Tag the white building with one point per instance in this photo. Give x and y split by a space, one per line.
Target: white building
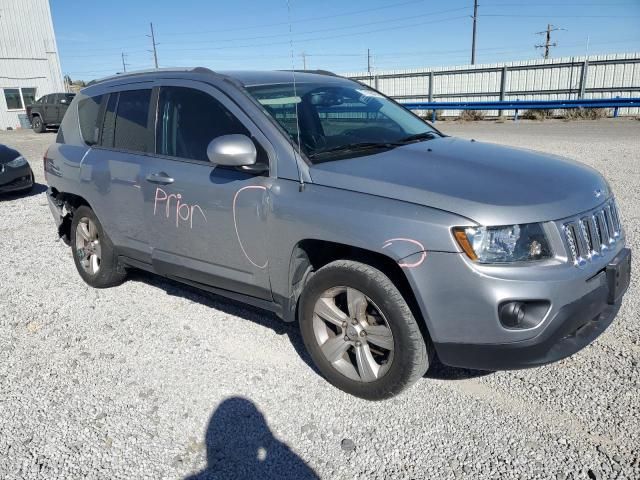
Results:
29 63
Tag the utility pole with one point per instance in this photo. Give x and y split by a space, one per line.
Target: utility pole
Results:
154 44
369 61
124 63
304 60
473 38
547 43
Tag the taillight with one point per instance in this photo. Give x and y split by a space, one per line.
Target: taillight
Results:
45 159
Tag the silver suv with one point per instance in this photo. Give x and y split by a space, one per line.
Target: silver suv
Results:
324 201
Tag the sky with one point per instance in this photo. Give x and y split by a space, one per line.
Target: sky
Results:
333 34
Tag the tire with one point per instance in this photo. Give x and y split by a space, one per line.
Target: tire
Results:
391 368
36 123
103 271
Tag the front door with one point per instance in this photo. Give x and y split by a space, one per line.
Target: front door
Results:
63 105
206 223
49 109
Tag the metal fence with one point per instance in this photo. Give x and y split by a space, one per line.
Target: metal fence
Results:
570 78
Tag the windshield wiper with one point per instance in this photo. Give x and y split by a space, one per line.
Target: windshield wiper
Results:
356 146
417 137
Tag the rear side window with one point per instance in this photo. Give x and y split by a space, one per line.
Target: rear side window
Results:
131 131
188 120
88 116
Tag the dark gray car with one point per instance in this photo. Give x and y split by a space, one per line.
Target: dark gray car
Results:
322 200
15 172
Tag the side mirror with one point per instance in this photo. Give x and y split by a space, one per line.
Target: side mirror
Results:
232 150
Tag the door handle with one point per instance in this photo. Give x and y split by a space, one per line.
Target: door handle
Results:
161 178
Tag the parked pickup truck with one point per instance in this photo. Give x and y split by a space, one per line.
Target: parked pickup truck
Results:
49 110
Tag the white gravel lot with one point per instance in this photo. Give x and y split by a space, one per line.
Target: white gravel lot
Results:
155 380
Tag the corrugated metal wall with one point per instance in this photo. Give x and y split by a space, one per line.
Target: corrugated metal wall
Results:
596 76
28 53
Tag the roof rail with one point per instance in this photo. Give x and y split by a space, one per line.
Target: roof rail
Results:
318 72
150 70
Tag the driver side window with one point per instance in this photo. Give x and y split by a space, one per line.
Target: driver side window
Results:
188 120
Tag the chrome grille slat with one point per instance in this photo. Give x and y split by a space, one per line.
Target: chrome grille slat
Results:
586 234
586 237
596 226
571 242
607 216
616 218
594 235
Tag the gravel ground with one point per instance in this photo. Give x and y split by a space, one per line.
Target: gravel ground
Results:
155 380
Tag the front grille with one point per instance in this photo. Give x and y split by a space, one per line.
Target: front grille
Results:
592 234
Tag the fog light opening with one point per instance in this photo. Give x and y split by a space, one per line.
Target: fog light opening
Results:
522 314
512 314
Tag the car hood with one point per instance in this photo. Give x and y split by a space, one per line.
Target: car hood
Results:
7 154
489 184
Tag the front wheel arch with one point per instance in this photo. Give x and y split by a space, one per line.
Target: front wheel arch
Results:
310 255
344 353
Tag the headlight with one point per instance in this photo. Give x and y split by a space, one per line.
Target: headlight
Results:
17 162
505 244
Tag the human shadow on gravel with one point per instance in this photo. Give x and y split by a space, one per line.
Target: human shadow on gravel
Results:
230 307
240 445
37 189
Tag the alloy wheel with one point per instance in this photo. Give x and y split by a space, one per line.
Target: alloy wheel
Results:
88 246
353 334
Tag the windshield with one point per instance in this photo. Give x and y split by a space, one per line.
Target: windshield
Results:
340 121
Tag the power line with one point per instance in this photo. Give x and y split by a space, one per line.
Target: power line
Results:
557 16
258 26
303 40
321 30
299 20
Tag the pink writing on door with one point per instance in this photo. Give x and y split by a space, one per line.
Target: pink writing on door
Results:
182 210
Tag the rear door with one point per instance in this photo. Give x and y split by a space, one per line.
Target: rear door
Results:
206 223
116 167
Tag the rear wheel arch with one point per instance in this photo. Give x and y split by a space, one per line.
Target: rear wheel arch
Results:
70 203
310 255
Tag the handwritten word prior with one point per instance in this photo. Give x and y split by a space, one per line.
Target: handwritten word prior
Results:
183 211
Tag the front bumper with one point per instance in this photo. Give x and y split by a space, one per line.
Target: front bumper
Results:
15 179
574 327
460 304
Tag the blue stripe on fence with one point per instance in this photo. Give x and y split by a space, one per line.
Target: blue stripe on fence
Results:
517 105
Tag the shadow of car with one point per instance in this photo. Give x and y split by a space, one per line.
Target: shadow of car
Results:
15 172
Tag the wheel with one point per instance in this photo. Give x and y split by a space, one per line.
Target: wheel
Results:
37 124
93 252
360 332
